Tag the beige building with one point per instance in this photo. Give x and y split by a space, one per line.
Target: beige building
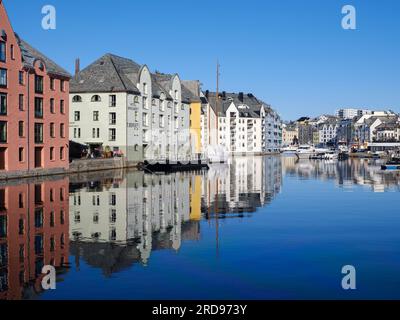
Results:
290 134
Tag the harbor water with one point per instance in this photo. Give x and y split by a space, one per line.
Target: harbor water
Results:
267 227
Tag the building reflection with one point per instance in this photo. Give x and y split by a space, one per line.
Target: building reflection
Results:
119 221
34 227
239 188
346 174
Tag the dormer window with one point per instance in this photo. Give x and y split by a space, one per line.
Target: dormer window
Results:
96 98
145 88
77 99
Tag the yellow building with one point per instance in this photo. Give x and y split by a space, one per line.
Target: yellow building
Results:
195 198
191 92
195 126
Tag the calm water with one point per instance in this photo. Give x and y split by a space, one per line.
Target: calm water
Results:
259 228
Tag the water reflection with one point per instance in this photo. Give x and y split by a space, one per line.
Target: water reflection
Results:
112 221
347 174
34 232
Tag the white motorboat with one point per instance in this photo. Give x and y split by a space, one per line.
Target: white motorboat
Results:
290 149
305 152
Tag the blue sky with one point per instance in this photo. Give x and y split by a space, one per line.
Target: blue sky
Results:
291 53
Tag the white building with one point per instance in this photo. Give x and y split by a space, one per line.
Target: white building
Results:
244 125
365 127
351 113
119 104
328 131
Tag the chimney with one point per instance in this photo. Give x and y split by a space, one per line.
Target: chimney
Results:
240 96
77 66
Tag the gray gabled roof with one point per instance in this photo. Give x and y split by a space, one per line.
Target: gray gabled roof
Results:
30 55
254 105
110 73
188 93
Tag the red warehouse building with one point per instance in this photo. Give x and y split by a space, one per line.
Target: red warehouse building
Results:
33 107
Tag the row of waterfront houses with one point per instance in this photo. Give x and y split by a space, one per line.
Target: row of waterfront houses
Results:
352 127
118 106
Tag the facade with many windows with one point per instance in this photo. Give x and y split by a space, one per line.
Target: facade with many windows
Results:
33 106
119 105
244 125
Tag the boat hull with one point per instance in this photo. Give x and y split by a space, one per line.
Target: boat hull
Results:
391 167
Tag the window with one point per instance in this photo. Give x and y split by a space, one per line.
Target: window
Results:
62 107
3 77
112 134
21 155
38 84
3 104
21 198
21 78
95 116
52 84
113 100
96 133
12 52
21 130
62 85
162 105
3 51
62 130
136 116
145 119
3 132
38 108
136 100
77 116
52 133
113 118
77 99
145 88
52 106
21 102
38 132
145 103
154 103
62 153
96 98
51 153
162 124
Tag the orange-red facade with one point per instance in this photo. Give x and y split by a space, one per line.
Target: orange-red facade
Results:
33 108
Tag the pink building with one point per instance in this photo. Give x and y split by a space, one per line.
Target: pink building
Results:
33 107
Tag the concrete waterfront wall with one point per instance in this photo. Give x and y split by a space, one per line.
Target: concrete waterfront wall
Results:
76 166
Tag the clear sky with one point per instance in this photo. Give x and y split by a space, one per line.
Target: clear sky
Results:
291 53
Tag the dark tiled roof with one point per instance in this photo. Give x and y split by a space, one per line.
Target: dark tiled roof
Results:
188 95
110 73
30 55
254 105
